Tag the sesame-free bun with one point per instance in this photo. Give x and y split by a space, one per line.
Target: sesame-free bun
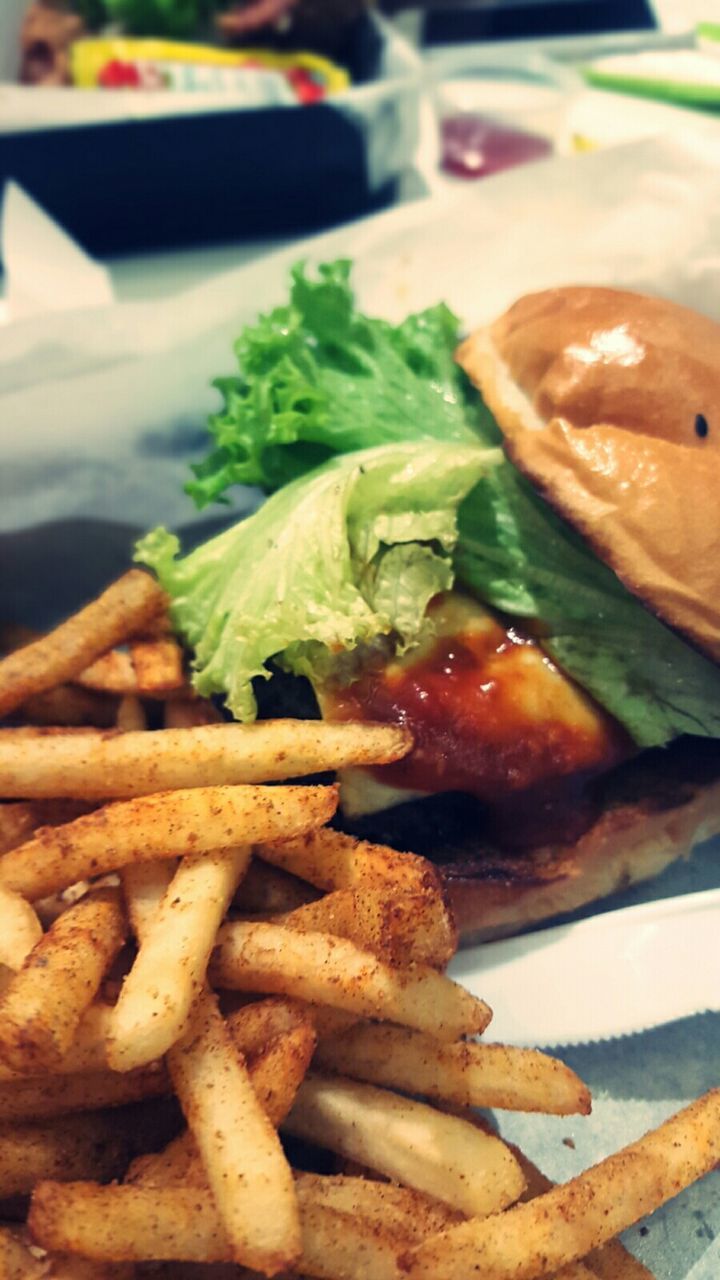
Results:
610 403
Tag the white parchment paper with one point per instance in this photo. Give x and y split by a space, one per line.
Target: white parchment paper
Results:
101 410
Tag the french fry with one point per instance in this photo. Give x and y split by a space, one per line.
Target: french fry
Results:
17 1262
45 1096
554 1229
144 886
135 764
169 824
137 1223
246 1169
332 860
20 929
131 716
612 1261
266 891
85 1054
43 1005
403 929
69 1267
18 821
468 1074
112 672
278 1068
118 613
276 960
85 1146
278 1039
189 713
158 664
414 1215
414 1144
70 706
170 967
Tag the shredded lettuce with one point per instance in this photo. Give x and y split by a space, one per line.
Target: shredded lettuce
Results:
333 559
350 552
318 378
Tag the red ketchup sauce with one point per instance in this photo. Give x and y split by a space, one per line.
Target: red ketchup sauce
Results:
475 146
490 714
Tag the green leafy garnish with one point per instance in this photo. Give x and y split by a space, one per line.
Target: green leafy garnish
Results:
350 552
318 378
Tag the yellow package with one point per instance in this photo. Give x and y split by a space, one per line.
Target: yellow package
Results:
258 77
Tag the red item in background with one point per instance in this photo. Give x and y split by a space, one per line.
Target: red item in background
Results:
475 146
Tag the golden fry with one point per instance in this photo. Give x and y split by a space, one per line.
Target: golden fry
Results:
468 1074
45 1096
240 1151
564 1224
410 1142
42 1008
332 860
118 613
276 960
158 664
135 764
402 929
20 929
170 967
136 1223
83 1146
169 824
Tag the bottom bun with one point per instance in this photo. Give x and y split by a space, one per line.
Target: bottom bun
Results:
649 812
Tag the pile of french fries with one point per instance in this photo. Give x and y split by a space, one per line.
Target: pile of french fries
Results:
226 1034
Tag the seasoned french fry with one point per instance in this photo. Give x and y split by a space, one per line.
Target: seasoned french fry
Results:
189 713
43 1005
401 929
276 960
18 821
136 764
468 1074
612 1261
552 1230
68 1266
158 664
246 1169
112 672
266 891
169 824
278 1068
84 1146
118 613
332 860
409 1212
170 967
17 1262
71 706
45 1096
137 1223
414 1144
85 1054
20 929
278 1039
145 885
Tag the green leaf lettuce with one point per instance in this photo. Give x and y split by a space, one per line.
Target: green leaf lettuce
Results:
350 552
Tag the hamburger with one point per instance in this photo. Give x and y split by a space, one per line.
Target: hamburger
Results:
522 567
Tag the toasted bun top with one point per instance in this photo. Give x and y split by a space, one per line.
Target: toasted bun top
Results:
610 403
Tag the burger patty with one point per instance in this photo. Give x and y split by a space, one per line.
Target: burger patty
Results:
646 813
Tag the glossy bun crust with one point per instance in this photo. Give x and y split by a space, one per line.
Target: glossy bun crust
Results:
610 403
